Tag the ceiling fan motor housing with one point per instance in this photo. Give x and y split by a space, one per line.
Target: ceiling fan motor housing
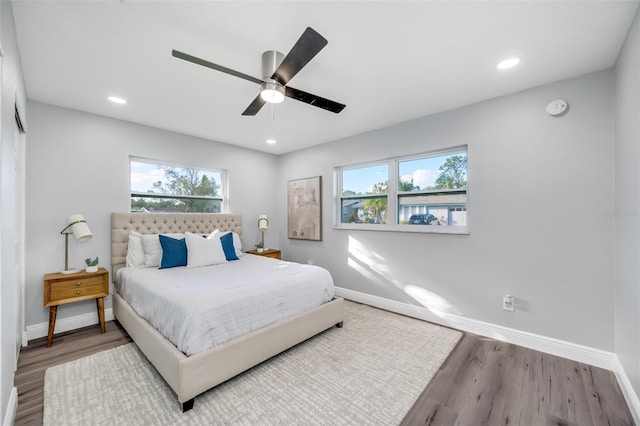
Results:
271 60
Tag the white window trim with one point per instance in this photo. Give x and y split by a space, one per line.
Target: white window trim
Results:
392 198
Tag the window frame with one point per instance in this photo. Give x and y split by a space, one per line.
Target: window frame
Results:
223 184
393 195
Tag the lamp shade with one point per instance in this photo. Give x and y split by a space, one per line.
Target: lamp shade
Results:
263 222
79 227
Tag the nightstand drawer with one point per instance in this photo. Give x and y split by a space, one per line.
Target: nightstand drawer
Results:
76 288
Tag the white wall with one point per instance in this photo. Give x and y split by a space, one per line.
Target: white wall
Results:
627 207
520 161
12 88
79 163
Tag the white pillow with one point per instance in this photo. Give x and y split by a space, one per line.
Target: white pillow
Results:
237 243
135 253
153 250
214 234
203 251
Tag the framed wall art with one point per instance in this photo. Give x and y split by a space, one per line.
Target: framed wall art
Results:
304 209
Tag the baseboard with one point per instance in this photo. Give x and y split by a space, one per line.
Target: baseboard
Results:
573 351
627 390
12 407
66 324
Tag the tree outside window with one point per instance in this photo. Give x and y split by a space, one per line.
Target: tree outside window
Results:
364 194
167 188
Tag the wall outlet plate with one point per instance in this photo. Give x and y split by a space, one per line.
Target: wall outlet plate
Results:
508 303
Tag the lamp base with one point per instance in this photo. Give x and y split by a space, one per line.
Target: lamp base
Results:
70 271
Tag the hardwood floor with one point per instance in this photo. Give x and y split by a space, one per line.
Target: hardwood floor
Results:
486 382
483 382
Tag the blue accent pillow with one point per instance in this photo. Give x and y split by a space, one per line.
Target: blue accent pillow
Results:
174 252
227 246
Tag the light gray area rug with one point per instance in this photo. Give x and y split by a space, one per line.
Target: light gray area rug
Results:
371 371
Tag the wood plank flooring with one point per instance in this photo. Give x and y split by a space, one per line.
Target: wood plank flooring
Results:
486 382
483 382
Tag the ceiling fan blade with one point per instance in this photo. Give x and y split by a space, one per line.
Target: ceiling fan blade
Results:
307 46
187 57
314 100
255 106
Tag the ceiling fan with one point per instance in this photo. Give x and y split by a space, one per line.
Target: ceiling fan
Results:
277 70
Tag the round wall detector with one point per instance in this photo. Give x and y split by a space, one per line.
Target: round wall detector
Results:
557 107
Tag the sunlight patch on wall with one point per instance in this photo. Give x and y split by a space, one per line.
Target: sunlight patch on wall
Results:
374 268
362 253
365 272
428 299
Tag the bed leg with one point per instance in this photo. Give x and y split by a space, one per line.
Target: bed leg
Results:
187 405
339 325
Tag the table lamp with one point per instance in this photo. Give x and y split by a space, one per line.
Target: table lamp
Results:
79 228
263 225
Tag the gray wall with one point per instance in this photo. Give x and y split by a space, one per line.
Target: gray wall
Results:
79 163
539 189
12 92
627 207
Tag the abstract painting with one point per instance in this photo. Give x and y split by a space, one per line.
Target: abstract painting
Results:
305 209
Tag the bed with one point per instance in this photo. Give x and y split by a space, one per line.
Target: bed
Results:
189 376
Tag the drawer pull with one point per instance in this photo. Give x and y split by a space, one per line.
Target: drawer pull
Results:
78 284
77 291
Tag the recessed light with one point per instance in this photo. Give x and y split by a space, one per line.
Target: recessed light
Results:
508 63
271 141
117 100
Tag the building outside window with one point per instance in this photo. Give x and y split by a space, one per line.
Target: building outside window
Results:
161 187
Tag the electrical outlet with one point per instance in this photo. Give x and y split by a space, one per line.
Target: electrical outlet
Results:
508 303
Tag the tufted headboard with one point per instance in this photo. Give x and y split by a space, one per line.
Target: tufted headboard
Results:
149 223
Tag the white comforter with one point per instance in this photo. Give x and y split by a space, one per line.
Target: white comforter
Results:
199 308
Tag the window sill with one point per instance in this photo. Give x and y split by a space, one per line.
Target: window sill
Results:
415 229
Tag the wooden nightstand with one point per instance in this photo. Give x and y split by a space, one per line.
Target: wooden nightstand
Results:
68 288
273 253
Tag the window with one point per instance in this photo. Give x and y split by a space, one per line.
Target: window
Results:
168 188
428 189
431 186
364 194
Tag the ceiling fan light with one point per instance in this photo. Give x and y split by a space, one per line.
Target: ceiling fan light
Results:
272 92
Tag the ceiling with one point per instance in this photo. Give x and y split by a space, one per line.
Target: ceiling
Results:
388 61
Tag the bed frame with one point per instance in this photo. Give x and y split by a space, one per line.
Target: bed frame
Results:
190 376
